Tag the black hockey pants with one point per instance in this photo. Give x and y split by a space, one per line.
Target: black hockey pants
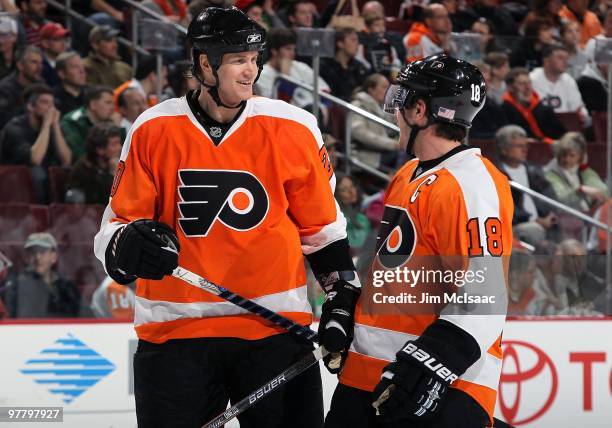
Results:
183 383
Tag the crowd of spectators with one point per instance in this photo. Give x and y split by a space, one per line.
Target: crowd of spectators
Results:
69 97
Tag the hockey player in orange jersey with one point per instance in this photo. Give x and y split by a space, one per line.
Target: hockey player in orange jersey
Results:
242 187
424 364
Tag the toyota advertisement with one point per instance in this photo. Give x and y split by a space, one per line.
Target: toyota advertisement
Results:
557 373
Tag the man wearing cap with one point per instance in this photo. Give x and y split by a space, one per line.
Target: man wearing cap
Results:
53 41
39 291
103 65
8 45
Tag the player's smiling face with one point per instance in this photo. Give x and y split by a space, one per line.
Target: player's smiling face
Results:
236 77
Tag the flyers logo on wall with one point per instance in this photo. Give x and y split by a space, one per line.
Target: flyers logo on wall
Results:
237 199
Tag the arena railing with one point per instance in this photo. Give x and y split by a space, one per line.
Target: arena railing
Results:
137 12
66 8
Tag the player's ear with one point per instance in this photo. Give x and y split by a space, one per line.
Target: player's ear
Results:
204 63
420 109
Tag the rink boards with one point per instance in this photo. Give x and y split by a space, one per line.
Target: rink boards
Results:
557 372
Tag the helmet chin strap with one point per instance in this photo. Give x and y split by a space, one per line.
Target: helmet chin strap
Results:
213 90
414 131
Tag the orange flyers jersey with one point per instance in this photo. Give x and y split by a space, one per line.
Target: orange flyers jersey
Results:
113 300
455 217
245 211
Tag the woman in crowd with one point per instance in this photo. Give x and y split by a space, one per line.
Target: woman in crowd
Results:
358 225
575 183
373 143
539 32
570 37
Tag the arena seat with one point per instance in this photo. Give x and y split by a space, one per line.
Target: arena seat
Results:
18 220
397 25
74 226
487 148
14 252
571 121
337 122
540 153
78 263
600 126
57 183
75 223
597 158
16 184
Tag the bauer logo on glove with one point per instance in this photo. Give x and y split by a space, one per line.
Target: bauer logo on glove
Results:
431 363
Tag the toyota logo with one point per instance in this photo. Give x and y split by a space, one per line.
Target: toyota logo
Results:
254 38
524 365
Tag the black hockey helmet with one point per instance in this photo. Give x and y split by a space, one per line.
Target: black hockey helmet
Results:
454 90
217 31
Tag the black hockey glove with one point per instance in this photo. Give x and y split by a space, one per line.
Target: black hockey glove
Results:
414 386
142 249
335 271
337 318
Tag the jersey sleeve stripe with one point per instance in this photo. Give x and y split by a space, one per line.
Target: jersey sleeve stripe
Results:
329 233
104 236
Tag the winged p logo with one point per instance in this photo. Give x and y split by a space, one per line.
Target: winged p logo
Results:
236 198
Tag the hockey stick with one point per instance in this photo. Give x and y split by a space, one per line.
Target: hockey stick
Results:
275 318
268 388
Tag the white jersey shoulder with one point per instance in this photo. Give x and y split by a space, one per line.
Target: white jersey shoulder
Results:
261 106
171 107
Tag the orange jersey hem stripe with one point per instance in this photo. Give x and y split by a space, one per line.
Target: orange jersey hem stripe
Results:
249 327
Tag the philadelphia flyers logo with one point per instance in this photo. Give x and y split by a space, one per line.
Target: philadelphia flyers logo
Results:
236 198
396 239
